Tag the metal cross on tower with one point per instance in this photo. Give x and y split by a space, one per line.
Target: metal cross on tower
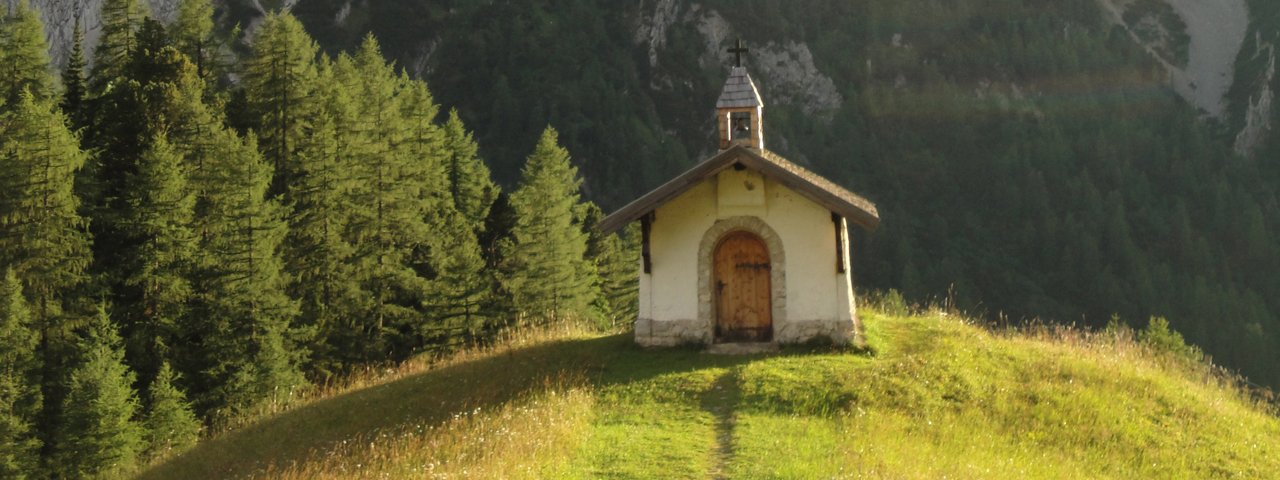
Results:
738 51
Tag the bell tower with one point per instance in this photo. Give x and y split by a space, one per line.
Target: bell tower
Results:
739 111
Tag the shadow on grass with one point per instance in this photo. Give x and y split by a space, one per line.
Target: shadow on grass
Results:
429 399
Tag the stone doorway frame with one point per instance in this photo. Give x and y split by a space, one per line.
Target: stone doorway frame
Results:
777 270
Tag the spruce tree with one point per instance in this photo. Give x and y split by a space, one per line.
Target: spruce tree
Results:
160 265
24 56
279 88
20 396
73 82
614 258
547 274
247 353
170 426
469 182
97 436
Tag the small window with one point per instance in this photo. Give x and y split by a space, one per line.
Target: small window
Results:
740 123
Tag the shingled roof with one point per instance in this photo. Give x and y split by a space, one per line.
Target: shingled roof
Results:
739 91
820 190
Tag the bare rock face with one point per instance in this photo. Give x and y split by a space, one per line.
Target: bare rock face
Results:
793 78
1257 117
785 67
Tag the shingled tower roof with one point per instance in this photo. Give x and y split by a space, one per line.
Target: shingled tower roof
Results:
739 91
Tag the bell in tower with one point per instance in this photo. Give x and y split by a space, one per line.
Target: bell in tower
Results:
739 111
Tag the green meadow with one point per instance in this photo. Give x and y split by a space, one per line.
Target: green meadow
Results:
932 396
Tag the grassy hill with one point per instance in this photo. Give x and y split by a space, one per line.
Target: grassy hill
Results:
934 397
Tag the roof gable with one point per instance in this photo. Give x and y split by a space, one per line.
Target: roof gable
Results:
808 184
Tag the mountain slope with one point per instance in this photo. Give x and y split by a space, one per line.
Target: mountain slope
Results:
938 397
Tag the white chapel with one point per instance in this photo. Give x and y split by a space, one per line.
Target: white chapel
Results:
746 246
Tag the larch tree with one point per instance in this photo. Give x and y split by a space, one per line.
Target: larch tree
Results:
449 255
170 426
160 265
192 34
247 355
97 436
43 239
279 88
20 396
24 56
387 221
317 254
547 273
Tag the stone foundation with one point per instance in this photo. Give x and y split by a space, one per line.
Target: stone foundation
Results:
669 333
840 332
650 333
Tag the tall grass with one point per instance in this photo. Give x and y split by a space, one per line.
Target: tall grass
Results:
528 438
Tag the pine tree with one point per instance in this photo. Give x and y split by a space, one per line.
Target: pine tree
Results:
97 436
121 20
73 82
160 266
469 182
170 425
548 276
247 355
20 396
24 56
279 86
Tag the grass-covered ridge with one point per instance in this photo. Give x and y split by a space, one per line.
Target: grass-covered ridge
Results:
937 397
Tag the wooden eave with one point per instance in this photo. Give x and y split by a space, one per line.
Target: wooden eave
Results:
842 202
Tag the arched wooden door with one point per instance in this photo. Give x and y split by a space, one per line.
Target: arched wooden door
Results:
744 312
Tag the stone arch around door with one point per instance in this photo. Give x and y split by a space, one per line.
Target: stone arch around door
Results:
777 269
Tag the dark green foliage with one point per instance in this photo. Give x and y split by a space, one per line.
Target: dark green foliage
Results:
317 254
24 56
473 192
20 396
97 436
161 264
546 273
242 319
74 88
1159 336
616 260
121 19
170 425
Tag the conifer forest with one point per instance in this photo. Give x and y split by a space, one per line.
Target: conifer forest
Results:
178 252
204 217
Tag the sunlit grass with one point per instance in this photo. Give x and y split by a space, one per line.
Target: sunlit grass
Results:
934 397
